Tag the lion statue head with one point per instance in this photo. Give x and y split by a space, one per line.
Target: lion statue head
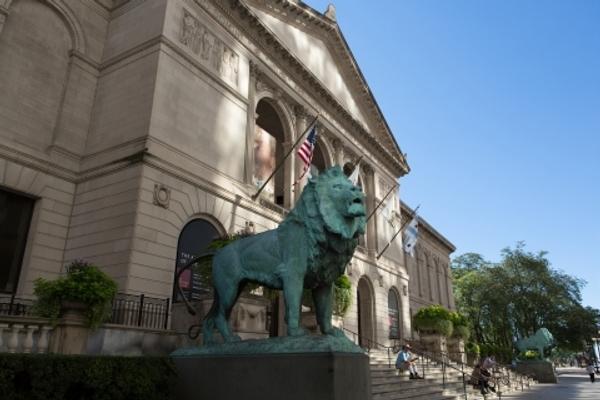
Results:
332 201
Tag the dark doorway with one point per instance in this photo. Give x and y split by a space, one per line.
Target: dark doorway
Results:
15 218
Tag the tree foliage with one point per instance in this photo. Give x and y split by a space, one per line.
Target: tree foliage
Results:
512 299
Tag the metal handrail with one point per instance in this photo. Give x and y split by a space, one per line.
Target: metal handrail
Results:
426 356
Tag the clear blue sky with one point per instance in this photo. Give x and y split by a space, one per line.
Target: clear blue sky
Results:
497 104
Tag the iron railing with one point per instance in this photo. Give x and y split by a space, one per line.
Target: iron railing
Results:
11 305
126 309
501 374
140 310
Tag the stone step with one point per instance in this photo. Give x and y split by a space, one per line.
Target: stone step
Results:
424 393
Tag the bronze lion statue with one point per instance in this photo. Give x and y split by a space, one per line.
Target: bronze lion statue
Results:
309 249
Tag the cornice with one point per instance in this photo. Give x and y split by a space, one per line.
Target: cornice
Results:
245 23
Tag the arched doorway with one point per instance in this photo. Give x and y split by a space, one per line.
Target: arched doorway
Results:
364 295
194 239
394 315
269 137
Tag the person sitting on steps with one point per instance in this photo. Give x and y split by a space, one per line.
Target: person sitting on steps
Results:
406 361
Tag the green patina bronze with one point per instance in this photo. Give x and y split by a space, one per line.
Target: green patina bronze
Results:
541 340
279 345
309 249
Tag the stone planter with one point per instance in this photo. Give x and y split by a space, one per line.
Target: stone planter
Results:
248 317
434 343
456 349
472 358
72 331
73 310
309 321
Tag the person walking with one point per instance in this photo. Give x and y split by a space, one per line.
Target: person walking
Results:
590 369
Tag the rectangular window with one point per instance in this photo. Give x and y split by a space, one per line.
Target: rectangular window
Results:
15 218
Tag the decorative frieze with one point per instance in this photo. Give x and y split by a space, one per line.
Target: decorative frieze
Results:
212 52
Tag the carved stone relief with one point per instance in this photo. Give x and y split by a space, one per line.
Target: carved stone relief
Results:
162 195
211 50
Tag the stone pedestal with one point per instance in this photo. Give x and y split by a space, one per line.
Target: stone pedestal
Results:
540 370
248 317
314 376
456 349
70 335
434 343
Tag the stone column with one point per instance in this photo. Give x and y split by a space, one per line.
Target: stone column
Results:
405 312
369 189
298 166
438 278
250 125
288 175
419 264
339 152
449 287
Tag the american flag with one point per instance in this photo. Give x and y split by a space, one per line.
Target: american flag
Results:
305 152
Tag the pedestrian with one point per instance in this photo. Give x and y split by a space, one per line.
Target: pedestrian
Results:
406 361
592 372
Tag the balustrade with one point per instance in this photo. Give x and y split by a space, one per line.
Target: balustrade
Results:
24 335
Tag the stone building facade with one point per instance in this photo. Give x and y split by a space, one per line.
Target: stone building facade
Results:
135 131
429 267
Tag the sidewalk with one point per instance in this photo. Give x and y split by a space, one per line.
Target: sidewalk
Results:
573 384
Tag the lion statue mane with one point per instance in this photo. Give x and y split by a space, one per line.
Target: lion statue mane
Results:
309 249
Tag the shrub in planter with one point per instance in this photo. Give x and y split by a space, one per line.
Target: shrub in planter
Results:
472 348
461 326
85 285
433 319
342 291
58 377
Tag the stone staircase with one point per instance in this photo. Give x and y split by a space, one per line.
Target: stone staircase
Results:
388 384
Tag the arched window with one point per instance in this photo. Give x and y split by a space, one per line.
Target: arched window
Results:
268 151
393 314
194 239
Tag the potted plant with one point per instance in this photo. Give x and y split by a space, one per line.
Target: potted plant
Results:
460 334
472 349
434 325
84 290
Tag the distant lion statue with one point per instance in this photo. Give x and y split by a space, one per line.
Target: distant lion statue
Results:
539 341
309 249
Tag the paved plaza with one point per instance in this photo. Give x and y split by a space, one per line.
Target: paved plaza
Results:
573 384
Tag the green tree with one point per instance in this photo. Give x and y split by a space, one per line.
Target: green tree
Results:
522 293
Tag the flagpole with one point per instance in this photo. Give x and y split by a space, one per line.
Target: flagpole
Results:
278 167
381 202
399 230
